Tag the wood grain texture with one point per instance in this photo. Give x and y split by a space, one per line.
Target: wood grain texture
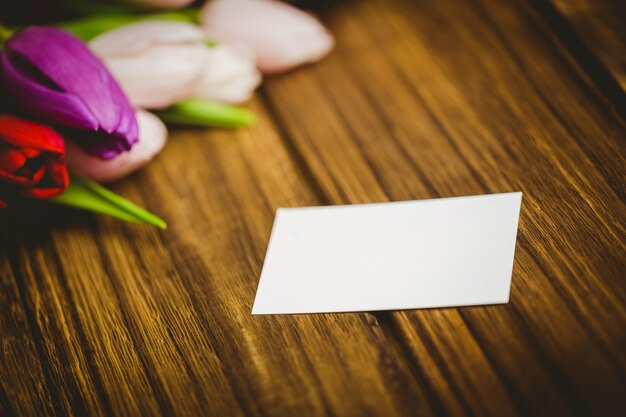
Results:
132 321
600 25
473 98
419 100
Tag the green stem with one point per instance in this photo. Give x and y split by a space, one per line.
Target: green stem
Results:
88 195
206 113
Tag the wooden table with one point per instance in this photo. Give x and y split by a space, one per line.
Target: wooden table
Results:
420 99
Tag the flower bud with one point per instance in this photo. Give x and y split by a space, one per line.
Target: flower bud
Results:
32 160
152 138
281 35
52 76
157 62
229 76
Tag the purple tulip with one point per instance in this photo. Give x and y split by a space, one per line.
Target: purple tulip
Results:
52 76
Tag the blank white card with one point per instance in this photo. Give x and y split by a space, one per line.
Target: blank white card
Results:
390 256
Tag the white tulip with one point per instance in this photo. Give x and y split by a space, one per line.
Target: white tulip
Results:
157 62
281 35
230 75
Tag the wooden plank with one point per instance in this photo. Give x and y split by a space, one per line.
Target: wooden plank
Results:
130 320
430 99
22 388
600 25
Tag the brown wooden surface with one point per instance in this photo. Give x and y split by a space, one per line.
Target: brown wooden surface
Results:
600 24
419 100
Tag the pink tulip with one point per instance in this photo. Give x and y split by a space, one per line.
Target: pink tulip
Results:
160 4
157 62
281 35
152 137
230 75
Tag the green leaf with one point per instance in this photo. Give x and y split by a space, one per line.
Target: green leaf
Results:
206 113
91 26
86 194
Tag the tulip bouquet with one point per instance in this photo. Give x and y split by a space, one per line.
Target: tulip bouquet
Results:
94 95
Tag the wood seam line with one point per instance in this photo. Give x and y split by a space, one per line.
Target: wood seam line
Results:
584 57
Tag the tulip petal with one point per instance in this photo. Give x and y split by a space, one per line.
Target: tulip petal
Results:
281 35
25 134
32 158
47 104
152 138
69 66
138 36
157 63
101 145
230 76
161 75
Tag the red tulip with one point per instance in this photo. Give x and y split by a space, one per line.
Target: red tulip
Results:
32 160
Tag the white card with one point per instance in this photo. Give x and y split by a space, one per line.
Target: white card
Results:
389 256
